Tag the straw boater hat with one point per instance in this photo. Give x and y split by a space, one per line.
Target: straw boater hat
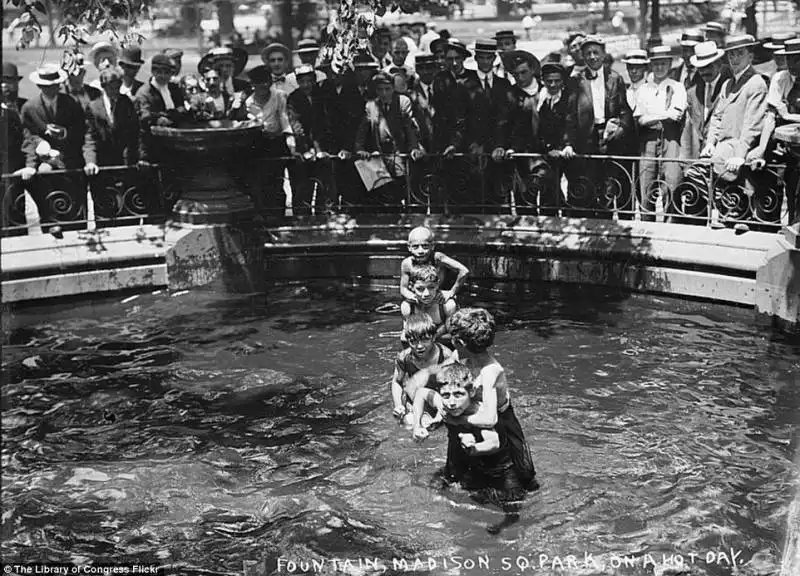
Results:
505 34
365 61
131 56
778 40
716 28
275 47
485 46
790 48
636 58
307 45
10 70
743 41
48 75
303 70
706 53
692 38
459 47
660 53
101 50
382 78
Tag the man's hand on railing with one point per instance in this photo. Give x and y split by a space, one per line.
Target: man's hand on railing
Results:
322 155
734 164
344 155
363 155
509 154
417 154
143 165
498 154
25 173
91 169
707 151
755 158
568 152
448 152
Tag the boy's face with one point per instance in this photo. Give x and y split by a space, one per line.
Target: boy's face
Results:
425 291
455 398
420 346
421 247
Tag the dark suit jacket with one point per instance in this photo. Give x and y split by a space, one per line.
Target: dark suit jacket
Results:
580 114
70 115
489 113
402 137
524 122
150 108
135 85
89 94
242 85
307 118
12 157
343 111
115 143
553 123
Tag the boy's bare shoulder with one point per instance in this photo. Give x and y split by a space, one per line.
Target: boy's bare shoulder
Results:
406 264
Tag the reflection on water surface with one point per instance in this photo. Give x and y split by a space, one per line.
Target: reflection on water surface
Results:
206 431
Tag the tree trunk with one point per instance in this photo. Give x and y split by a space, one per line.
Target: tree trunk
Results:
655 25
642 24
225 16
287 23
503 8
606 10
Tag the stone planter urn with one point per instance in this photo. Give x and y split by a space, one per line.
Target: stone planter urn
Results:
214 168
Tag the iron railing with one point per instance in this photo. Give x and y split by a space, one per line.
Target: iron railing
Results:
599 186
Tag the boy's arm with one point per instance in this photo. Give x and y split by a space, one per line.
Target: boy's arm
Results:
405 291
397 389
489 444
431 397
448 309
458 267
486 415
420 378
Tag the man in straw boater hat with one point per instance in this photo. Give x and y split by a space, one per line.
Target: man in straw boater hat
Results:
599 121
717 32
229 63
685 72
659 113
775 45
157 103
735 125
637 64
506 42
130 61
277 57
702 97
308 53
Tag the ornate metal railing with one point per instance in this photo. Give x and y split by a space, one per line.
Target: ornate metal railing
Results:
691 191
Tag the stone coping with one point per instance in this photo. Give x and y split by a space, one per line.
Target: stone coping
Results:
181 256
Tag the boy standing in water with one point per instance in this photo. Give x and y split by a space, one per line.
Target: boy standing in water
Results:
472 333
423 351
424 284
421 246
477 458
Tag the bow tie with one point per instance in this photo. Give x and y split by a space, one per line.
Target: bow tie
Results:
281 78
590 74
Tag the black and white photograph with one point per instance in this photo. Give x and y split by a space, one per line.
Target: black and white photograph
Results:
427 287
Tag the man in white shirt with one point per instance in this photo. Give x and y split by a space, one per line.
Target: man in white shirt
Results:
636 63
659 112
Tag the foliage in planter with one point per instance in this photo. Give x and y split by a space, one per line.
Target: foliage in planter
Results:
687 15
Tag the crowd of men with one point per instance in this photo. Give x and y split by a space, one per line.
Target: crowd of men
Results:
434 109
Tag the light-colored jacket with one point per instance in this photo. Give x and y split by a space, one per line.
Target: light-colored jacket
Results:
740 113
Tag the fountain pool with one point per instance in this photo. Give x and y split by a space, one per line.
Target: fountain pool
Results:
219 434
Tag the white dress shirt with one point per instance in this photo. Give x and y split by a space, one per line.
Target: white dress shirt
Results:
598 85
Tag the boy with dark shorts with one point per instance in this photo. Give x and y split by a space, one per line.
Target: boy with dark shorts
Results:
477 458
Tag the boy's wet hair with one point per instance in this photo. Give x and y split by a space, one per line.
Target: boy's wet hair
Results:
455 374
420 327
419 229
424 273
475 326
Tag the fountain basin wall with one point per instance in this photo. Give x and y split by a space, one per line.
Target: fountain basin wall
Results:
681 260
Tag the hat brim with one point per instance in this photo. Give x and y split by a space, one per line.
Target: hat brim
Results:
635 61
703 62
509 58
592 42
669 57
785 52
127 62
39 81
747 45
689 43
773 47
465 52
103 48
553 68
275 48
